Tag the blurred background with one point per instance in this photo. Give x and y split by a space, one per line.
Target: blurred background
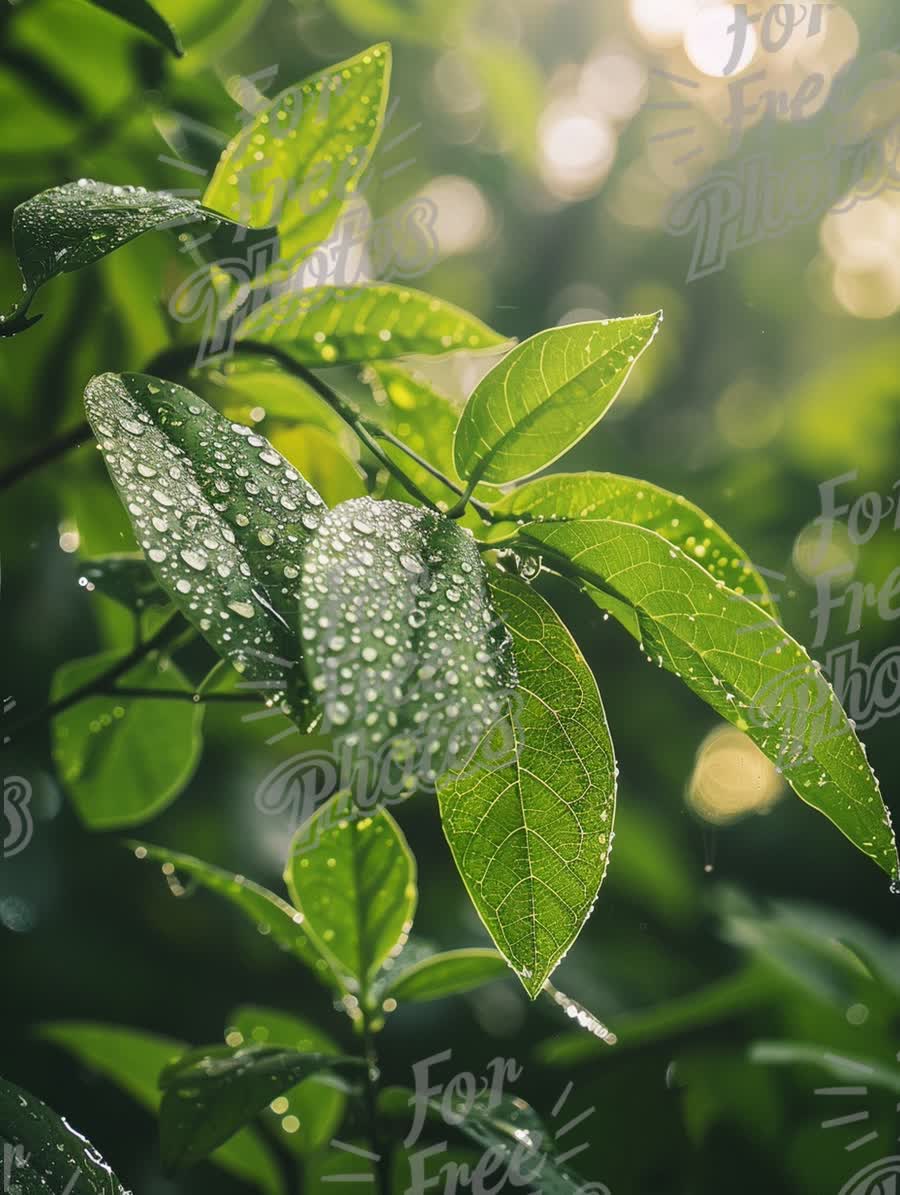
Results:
584 160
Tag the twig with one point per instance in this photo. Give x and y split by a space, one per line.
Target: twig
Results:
45 455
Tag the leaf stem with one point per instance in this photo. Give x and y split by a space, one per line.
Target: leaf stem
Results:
382 1163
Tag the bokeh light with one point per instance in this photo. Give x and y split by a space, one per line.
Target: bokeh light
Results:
732 778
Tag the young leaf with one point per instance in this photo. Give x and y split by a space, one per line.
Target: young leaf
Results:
329 325
221 516
448 974
275 917
51 1152
739 660
212 1092
545 395
302 156
354 880
531 837
71 226
134 1060
564 496
144 16
123 759
314 1103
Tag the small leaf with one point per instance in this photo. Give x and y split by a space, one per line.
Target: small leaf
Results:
329 325
221 516
739 660
275 917
531 836
134 1060
353 878
448 974
71 226
564 496
123 759
317 1106
294 165
545 395
126 578
402 647
213 1091
144 16
50 1152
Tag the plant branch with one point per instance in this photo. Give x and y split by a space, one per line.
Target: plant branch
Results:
45 455
383 1163
99 686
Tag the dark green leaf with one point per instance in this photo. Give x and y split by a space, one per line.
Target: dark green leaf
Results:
272 915
739 660
125 578
564 496
213 1091
448 974
844 1067
302 156
317 1106
353 877
531 833
327 325
545 395
134 1061
402 647
123 759
221 516
145 17
51 1156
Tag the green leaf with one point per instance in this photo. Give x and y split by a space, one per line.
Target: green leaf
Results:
143 16
209 28
272 915
221 516
71 226
448 974
302 156
739 660
314 453
424 22
402 647
318 1107
845 1067
134 1060
531 835
564 496
329 325
353 878
545 395
213 1091
51 1152
126 578
513 87
123 759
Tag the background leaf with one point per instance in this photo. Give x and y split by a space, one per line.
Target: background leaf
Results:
531 837
328 325
126 578
123 759
144 16
545 395
133 1060
447 974
353 877
740 661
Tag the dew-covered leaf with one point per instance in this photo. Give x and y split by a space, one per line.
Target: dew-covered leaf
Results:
67 227
213 1091
134 1060
448 974
314 1103
126 578
143 16
221 516
531 835
564 496
353 877
45 1154
739 660
402 647
124 759
302 155
328 325
274 917
545 395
